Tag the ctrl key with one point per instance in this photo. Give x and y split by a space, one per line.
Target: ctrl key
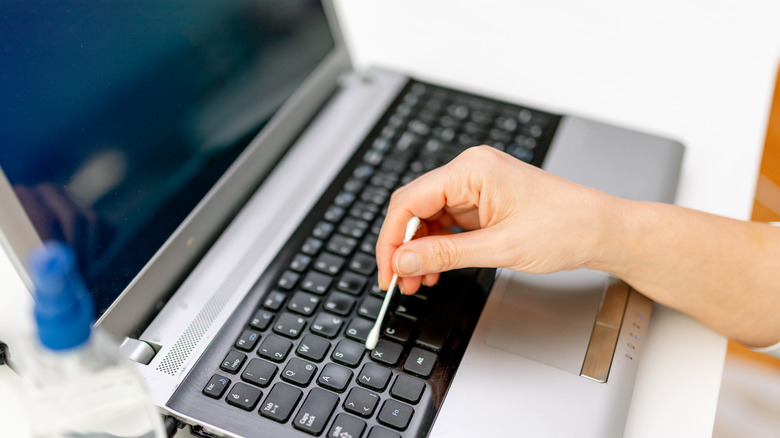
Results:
216 386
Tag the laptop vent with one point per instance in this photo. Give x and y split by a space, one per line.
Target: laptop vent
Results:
203 321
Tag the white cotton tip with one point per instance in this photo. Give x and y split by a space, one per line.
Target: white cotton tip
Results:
411 228
373 338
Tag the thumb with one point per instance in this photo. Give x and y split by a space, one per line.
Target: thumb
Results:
440 253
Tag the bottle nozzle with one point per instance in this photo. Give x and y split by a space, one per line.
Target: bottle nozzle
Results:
63 307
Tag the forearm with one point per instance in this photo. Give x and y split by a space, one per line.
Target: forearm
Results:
723 272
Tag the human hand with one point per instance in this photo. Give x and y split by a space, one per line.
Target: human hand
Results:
517 216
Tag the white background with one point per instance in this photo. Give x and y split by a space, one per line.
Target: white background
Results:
699 71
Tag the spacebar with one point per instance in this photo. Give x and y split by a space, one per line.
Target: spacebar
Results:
439 322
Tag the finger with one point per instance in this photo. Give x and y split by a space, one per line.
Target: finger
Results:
430 280
410 285
440 253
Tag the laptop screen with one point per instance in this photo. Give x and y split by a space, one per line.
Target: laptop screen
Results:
118 117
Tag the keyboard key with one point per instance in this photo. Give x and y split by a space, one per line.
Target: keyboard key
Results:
341 245
247 340
261 319
311 246
358 329
361 402
374 376
368 244
398 329
288 280
373 289
316 282
411 307
218 384
373 157
327 325
323 230
353 185
381 432
289 325
348 353
334 214
387 180
303 303
280 402
387 352
351 283
364 210
376 227
244 396
420 362
334 377
370 307
375 195
300 263
395 414
328 263
346 426
299 371
362 264
274 348
353 227
340 303
316 411
344 199
313 347
274 300
259 372
233 361
363 172
407 388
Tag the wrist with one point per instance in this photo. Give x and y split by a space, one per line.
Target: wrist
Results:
616 232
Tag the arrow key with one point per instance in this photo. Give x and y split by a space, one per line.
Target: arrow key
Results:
361 402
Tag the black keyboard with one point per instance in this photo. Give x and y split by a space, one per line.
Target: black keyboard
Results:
292 362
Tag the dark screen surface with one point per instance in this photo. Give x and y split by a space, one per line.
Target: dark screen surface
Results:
116 118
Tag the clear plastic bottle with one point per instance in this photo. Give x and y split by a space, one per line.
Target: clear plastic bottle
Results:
78 383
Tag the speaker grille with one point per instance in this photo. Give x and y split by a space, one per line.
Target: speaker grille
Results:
187 342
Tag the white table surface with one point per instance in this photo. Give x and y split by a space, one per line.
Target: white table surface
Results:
700 71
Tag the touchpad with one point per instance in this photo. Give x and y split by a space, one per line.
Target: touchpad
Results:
547 318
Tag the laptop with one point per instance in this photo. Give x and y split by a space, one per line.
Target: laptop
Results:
222 171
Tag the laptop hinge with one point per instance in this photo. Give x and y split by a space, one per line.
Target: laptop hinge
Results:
137 351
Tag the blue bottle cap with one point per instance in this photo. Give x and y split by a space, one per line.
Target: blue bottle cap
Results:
63 308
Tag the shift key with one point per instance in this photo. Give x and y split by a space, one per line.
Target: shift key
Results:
316 411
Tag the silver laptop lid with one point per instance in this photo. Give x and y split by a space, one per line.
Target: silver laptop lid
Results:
135 132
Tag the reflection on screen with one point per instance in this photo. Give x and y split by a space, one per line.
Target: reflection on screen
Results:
117 117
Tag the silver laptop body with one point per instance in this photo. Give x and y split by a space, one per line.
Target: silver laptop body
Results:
551 355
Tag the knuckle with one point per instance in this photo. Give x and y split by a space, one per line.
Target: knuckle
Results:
445 253
477 155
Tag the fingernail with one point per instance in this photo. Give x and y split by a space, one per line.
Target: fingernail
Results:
408 263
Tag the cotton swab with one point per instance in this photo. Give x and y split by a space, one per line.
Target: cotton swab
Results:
373 335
